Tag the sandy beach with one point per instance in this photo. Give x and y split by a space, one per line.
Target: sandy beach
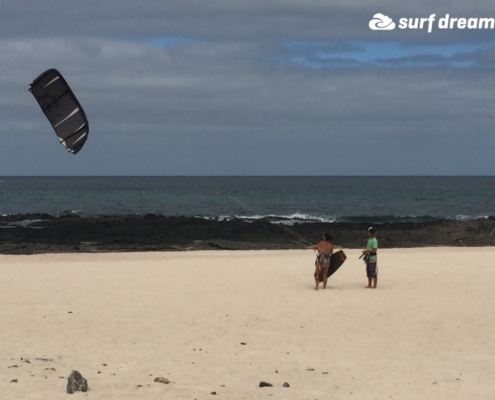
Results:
223 321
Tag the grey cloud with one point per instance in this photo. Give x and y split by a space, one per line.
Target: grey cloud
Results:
221 19
224 104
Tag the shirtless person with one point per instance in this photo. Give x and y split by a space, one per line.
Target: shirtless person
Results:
325 250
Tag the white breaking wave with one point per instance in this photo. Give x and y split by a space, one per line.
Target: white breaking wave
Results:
23 223
276 219
467 217
69 212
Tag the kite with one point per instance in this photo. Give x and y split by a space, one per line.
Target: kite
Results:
63 110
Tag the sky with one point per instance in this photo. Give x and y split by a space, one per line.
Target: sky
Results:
259 87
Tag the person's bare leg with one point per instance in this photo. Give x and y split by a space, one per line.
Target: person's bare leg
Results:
317 277
375 281
369 283
325 273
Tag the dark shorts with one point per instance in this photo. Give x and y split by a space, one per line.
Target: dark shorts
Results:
371 270
323 260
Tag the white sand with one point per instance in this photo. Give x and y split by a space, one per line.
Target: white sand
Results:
427 332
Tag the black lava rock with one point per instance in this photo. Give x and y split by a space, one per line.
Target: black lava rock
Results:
75 382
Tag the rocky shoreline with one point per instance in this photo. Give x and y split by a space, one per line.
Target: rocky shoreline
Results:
49 234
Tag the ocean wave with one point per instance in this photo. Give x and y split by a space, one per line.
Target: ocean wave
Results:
468 217
309 218
363 219
26 220
24 223
384 219
70 212
275 219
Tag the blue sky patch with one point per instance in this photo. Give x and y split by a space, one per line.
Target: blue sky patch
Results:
355 54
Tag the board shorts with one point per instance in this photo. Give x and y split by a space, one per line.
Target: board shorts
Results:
323 260
371 269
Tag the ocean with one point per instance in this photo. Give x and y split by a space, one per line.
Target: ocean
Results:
285 199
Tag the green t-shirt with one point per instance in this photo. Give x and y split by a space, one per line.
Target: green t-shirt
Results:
372 244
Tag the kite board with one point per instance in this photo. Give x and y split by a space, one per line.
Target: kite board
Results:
336 260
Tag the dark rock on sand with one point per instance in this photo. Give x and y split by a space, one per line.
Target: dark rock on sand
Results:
162 380
160 233
265 384
286 384
76 382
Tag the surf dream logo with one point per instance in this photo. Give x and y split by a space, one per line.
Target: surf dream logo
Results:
381 22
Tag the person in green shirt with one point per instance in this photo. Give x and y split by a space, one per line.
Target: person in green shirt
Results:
370 258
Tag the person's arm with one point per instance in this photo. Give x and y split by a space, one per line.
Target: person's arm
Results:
375 247
315 247
372 251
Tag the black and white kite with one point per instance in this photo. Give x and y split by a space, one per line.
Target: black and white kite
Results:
61 107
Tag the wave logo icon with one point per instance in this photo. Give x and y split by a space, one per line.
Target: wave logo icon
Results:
381 22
